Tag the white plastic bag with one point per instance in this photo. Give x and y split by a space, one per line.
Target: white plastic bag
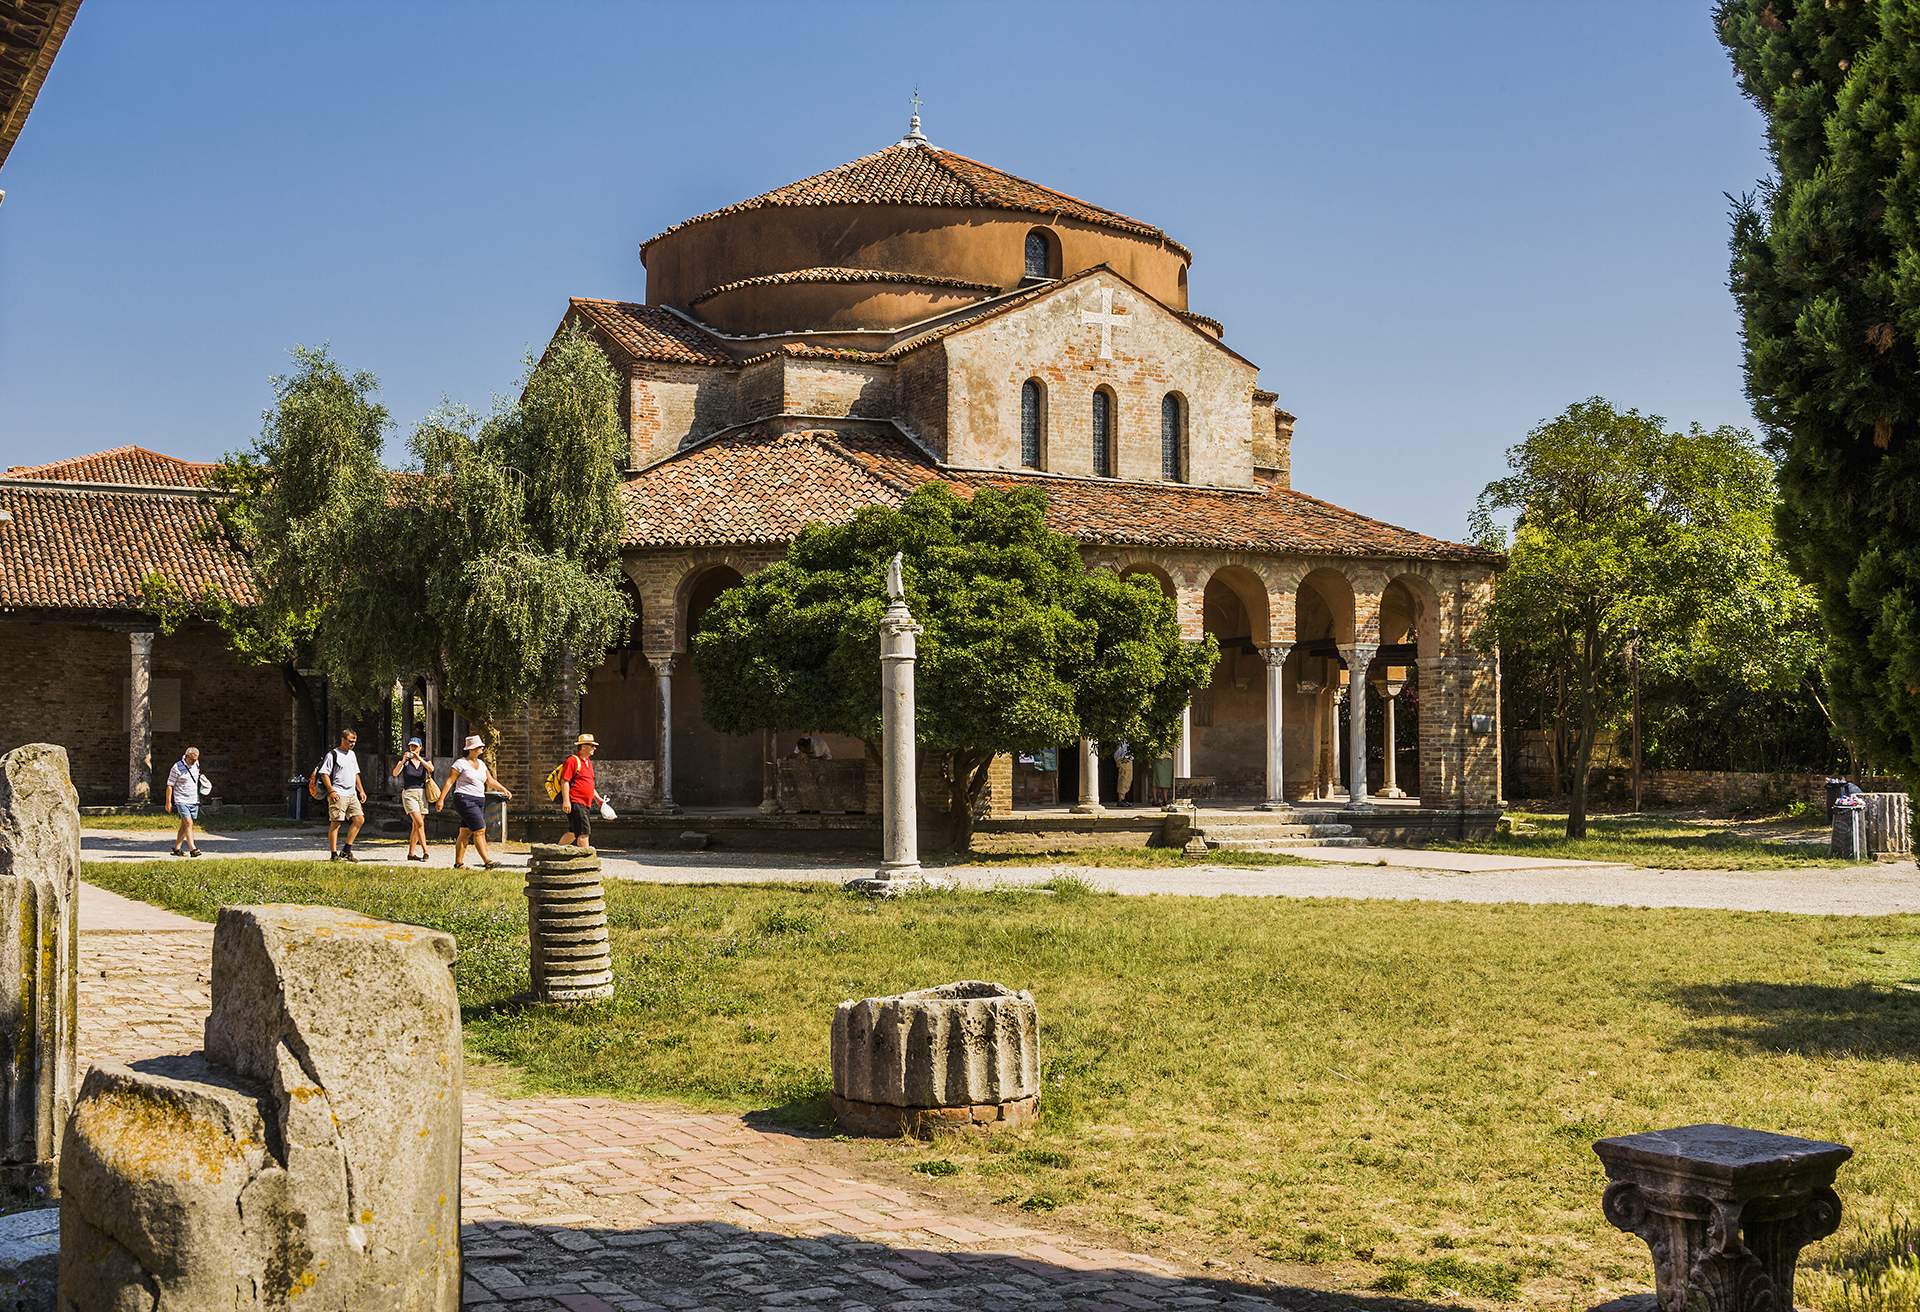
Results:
606 810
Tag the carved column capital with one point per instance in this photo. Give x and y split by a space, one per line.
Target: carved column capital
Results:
1276 653
664 664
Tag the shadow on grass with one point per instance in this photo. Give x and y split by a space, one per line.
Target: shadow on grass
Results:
715 1264
1866 1020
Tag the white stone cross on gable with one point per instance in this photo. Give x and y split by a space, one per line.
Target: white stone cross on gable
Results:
1107 319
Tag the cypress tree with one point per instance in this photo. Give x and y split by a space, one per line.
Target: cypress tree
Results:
1826 274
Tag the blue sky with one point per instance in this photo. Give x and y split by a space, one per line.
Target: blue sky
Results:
1433 225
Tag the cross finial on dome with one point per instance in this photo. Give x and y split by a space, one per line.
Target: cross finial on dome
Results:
914 134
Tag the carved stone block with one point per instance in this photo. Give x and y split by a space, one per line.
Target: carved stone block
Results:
39 891
964 1054
1724 1210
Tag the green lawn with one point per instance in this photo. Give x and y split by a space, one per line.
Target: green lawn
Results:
1654 841
1398 1094
213 822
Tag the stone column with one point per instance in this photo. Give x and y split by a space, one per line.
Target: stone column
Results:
39 892
1089 803
663 753
140 721
899 870
769 774
1333 733
1390 772
1276 655
1183 750
1357 665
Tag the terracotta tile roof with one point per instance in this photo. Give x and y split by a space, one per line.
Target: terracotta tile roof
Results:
122 465
827 273
763 488
89 549
649 332
911 173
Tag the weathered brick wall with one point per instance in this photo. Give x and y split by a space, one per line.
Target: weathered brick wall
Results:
920 385
66 684
837 387
1153 353
670 405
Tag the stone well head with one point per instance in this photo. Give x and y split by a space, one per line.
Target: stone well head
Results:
965 1053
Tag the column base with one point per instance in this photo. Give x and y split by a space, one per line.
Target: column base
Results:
898 881
1362 805
1395 793
1088 808
664 808
1271 805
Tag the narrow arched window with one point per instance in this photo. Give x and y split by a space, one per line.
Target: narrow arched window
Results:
1102 434
1173 438
1040 263
1032 412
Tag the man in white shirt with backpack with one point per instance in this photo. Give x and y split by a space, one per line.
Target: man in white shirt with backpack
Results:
346 796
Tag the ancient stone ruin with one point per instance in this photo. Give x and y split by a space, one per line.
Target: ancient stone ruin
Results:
310 1157
961 1055
39 885
567 925
1724 1210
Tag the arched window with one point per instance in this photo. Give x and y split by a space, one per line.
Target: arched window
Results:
1173 438
1040 260
1033 418
1103 434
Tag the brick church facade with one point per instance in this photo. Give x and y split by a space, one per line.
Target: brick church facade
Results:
910 316
916 315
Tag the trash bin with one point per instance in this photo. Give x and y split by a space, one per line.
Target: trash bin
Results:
1836 788
296 798
1850 833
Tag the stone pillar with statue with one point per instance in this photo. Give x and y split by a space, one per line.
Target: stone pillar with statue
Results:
899 870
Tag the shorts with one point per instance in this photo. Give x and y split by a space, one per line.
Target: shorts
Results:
579 820
187 810
344 806
472 811
413 801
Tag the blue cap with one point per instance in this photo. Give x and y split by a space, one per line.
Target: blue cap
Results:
413 742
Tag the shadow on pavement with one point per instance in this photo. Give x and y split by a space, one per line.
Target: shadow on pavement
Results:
708 1265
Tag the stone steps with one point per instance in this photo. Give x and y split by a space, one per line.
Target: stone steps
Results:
1276 833
1282 844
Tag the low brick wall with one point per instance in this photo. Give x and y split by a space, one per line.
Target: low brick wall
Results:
1723 790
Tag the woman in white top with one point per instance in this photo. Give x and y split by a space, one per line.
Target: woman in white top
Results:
468 783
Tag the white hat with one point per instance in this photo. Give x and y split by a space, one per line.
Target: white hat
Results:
473 740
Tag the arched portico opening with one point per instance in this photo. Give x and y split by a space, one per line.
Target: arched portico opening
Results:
1409 643
616 697
710 768
1314 684
1229 715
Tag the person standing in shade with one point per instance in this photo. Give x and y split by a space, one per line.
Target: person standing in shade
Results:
414 771
577 795
346 797
186 789
468 783
1123 772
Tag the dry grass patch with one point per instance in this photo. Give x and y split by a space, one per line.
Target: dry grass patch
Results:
1400 1094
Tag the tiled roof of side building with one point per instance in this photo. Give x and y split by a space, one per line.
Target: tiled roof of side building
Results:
764 488
91 549
121 465
912 173
826 274
649 332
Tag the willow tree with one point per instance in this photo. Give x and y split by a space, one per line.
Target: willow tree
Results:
1022 646
1826 274
494 561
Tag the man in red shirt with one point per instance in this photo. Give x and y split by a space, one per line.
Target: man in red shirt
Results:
577 796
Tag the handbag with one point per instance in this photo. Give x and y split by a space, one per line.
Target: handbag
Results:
433 789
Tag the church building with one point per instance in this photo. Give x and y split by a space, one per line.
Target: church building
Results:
916 315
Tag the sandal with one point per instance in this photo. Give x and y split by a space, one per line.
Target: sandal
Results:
193 851
176 851
491 865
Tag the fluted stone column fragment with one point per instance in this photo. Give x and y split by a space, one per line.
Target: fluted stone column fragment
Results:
567 925
309 1158
962 1054
39 888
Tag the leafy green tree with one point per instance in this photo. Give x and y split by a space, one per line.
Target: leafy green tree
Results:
1632 543
296 500
1022 644
1826 273
494 563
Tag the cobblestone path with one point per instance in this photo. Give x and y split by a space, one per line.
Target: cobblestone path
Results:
590 1204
